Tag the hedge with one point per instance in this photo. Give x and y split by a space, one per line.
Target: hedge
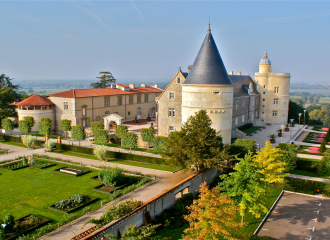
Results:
246 126
308 165
8 138
110 154
305 186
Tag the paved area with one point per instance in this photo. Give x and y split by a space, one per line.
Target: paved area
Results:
165 180
310 178
298 217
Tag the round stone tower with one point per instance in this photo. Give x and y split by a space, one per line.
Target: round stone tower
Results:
209 87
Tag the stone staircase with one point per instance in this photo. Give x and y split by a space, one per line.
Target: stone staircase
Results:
236 133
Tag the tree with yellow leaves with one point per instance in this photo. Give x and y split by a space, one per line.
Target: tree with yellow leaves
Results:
270 164
211 216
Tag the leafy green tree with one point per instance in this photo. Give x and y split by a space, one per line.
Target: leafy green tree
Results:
244 187
100 152
106 79
101 136
24 126
134 233
196 145
97 126
294 109
130 140
247 144
30 120
324 166
78 133
120 132
312 107
159 143
45 126
148 135
304 98
7 124
317 115
8 95
65 126
322 147
289 155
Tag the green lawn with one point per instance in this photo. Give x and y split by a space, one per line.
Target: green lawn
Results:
13 144
251 130
133 149
309 174
119 161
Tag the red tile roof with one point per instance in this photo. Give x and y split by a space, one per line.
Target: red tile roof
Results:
95 92
35 100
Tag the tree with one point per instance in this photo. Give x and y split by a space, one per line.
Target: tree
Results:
9 221
45 126
7 124
159 143
322 147
212 216
243 186
78 133
312 107
294 110
30 120
289 155
100 152
304 98
97 126
24 126
317 115
148 135
298 101
324 166
120 132
65 126
270 164
106 79
8 95
130 140
101 136
196 145
247 144
310 98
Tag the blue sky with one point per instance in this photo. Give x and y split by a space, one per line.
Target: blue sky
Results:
151 39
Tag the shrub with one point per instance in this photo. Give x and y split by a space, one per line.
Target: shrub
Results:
248 144
148 135
30 121
97 126
309 165
78 133
7 124
245 126
71 202
9 221
65 126
236 150
322 147
120 131
29 141
129 140
25 162
112 176
159 143
45 126
101 136
324 166
49 145
100 152
24 126
289 152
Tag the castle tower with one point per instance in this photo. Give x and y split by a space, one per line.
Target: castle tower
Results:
209 87
274 90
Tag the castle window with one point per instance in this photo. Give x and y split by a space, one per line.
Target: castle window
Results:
263 99
106 101
274 113
243 118
275 100
236 121
171 95
257 113
130 100
264 86
84 111
170 129
243 104
171 112
119 101
139 98
65 105
217 93
178 80
263 106
98 118
264 93
276 89
236 105
128 113
263 112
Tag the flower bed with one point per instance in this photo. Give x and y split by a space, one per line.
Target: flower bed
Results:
72 204
70 171
313 150
14 166
109 189
26 224
41 164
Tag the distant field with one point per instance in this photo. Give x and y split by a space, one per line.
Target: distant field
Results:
310 90
324 99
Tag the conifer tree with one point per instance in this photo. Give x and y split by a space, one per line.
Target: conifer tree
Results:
322 147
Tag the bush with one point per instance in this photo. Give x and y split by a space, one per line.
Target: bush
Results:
9 221
304 186
112 176
289 152
7 124
308 165
324 165
30 121
71 202
45 126
25 162
97 126
24 126
29 141
245 126
322 147
100 152
148 135
248 144
101 136
130 140
159 143
236 150
49 145
78 133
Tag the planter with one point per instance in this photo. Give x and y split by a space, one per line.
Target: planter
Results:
272 140
260 129
286 129
279 134
135 121
292 125
148 119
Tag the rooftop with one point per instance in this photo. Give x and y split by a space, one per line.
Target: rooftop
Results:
35 100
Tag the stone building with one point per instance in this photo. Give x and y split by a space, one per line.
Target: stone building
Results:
230 100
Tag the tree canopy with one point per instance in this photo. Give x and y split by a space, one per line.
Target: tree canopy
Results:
120 132
101 136
294 110
130 140
148 135
78 133
196 145
8 95
65 126
7 124
45 126
30 120
97 126
106 79
24 126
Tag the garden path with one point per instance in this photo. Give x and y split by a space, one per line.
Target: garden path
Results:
165 180
310 178
302 155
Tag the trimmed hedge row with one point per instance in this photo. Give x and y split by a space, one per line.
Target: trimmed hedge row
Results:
8 138
116 155
308 165
246 126
305 186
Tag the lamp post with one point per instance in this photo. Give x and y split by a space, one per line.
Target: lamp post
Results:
299 121
304 115
282 127
291 120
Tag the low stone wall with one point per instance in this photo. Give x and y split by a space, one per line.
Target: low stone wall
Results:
153 207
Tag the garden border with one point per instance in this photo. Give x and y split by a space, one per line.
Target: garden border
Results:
52 207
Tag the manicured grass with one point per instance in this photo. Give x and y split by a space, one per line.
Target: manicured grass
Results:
251 130
13 144
309 174
174 234
119 161
133 149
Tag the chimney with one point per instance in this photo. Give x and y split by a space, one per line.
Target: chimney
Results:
143 85
189 68
179 68
230 73
239 73
155 85
132 86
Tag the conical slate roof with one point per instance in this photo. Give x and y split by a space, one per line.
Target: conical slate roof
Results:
208 67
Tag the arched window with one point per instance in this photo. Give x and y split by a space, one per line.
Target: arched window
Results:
138 112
